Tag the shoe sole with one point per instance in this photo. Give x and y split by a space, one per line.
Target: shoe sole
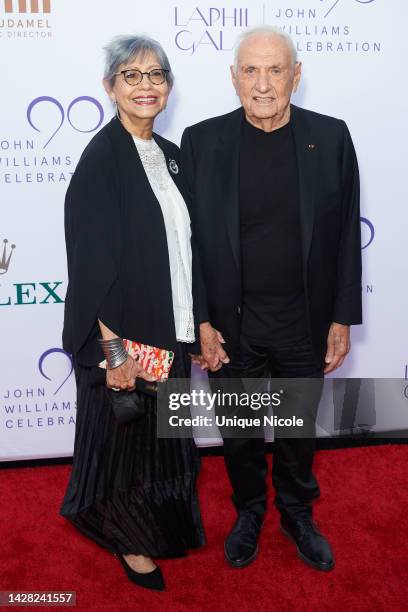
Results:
241 564
325 568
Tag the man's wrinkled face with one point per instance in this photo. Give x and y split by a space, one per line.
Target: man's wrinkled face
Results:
265 77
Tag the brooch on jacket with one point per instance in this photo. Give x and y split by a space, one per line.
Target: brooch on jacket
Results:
173 166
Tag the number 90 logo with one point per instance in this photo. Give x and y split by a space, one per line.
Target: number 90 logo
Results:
68 115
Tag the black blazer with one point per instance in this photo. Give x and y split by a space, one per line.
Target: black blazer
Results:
329 210
117 255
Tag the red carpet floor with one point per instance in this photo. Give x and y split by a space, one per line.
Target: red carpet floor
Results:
362 510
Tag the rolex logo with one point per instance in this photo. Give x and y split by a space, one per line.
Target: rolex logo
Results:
5 260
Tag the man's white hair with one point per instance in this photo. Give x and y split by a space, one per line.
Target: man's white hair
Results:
266 31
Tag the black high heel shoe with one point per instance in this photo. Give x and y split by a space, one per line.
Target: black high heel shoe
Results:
152 580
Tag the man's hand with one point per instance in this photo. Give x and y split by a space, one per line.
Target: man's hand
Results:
338 345
124 377
211 347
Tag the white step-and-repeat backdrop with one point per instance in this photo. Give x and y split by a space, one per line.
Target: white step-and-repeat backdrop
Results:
354 67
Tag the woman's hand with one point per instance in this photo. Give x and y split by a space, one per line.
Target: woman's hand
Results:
124 376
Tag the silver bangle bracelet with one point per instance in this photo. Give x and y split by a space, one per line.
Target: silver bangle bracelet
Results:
114 351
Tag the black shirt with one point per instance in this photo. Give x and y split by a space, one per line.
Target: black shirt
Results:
272 279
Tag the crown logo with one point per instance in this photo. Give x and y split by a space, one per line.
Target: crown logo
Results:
5 261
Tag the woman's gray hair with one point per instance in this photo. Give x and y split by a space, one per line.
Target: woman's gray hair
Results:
267 31
122 49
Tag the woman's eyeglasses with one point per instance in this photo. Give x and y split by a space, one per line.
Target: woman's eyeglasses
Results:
132 76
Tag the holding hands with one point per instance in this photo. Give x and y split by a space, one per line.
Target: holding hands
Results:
212 355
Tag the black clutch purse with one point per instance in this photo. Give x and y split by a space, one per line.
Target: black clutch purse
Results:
127 406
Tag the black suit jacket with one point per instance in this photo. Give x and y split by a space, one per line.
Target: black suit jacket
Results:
118 262
329 212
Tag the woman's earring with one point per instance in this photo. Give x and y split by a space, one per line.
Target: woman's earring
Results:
117 110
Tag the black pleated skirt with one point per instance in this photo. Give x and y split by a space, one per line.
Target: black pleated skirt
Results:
129 491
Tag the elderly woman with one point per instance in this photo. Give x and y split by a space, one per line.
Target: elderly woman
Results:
130 277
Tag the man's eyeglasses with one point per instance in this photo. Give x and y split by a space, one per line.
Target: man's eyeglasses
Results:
132 76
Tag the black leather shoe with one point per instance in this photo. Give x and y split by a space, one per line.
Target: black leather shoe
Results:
241 546
152 580
311 546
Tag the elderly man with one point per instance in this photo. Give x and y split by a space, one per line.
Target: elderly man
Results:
276 206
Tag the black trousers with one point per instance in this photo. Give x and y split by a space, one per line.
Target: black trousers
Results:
292 476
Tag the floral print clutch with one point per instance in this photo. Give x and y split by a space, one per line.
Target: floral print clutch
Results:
154 361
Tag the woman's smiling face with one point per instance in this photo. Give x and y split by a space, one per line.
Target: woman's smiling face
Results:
141 102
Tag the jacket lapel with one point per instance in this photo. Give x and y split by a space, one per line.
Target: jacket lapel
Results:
307 157
129 163
228 171
135 186
172 162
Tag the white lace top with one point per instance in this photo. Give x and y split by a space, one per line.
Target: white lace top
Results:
178 231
